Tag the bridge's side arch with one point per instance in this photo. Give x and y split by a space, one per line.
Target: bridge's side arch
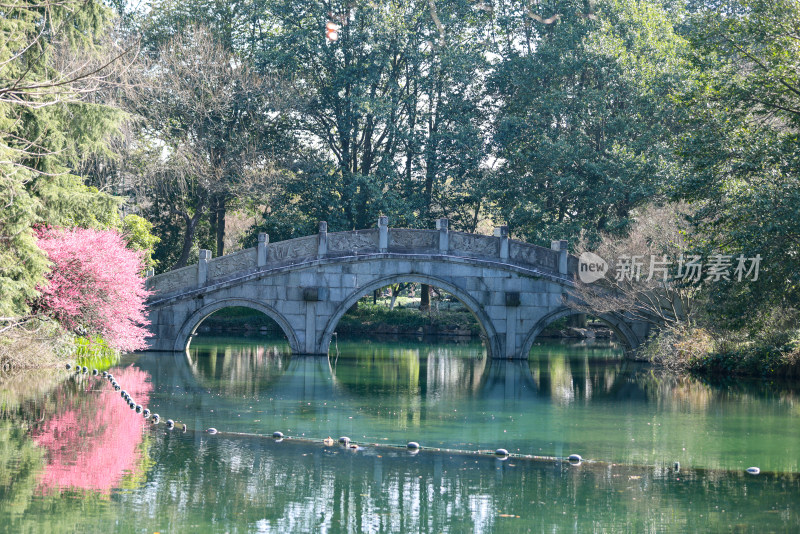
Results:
493 344
190 325
613 320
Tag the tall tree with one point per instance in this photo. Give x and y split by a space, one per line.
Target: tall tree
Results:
54 58
210 134
394 105
743 145
584 126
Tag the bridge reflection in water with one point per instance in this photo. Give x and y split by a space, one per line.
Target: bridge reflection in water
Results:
379 391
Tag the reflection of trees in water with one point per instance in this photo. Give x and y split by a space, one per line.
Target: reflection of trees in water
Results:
567 376
250 484
73 441
94 441
410 378
238 369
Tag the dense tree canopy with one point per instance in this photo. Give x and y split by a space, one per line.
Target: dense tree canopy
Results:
559 118
54 58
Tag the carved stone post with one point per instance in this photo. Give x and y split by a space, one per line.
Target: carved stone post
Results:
202 266
383 233
322 248
561 247
444 238
263 241
502 233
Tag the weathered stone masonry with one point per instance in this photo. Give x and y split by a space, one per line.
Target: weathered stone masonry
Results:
307 284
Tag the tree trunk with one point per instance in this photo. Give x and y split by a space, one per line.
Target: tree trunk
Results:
188 238
425 298
395 293
221 211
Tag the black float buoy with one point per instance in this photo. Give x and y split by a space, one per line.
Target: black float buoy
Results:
69 366
146 413
132 404
212 430
156 418
116 387
170 423
105 374
138 408
413 445
95 372
277 435
676 466
123 393
85 369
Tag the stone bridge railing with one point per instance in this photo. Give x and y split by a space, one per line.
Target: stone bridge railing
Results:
381 240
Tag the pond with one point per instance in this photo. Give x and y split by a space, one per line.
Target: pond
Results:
76 458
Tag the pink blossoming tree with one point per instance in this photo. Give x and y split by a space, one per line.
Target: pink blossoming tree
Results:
94 285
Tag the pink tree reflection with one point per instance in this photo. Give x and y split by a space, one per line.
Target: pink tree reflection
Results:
93 443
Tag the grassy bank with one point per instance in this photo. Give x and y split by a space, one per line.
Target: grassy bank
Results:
701 352
43 344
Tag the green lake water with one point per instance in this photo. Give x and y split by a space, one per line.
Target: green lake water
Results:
75 458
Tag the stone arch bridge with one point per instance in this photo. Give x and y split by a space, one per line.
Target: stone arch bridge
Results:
305 285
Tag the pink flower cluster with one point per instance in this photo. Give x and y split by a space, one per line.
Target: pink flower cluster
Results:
93 443
94 283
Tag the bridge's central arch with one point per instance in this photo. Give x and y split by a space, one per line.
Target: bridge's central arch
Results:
487 329
305 285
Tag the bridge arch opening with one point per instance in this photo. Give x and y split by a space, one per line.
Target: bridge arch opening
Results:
622 332
450 295
231 311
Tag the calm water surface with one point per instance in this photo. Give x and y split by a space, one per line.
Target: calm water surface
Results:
75 458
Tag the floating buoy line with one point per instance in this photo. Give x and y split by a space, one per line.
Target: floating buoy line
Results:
412 447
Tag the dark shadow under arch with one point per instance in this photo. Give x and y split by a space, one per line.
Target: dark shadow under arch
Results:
190 325
614 322
492 348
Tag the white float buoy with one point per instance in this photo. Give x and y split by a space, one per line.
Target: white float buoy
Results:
344 440
575 458
501 453
413 445
212 430
753 470
170 423
277 435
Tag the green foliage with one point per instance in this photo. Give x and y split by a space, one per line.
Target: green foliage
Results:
47 124
585 125
371 318
138 235
94 352
742 144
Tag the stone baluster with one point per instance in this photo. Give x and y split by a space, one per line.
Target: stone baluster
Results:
322 248
263 241
561 247
502 233
444 237
202 266
383 233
